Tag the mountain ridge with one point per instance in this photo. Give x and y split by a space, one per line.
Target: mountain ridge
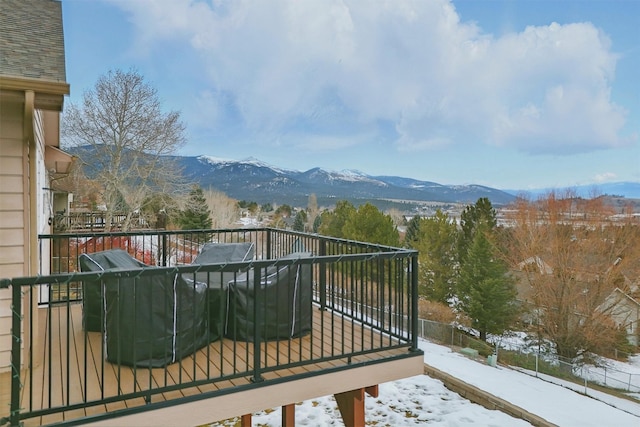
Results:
254 180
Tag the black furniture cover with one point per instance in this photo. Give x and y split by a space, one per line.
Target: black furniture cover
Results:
92 302
283 302
217 282
151 320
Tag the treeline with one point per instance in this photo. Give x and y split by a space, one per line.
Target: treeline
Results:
558 268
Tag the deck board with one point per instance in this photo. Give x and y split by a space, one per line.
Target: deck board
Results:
59 383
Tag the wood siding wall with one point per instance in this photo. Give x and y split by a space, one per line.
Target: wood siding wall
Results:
13 238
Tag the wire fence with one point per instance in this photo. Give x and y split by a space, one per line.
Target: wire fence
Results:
539 363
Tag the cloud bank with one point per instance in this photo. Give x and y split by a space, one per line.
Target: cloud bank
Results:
406 72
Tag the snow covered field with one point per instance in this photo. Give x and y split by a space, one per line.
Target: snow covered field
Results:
423 401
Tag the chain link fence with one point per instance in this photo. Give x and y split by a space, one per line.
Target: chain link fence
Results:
610 377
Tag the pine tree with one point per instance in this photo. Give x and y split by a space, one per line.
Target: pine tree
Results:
485 292
369 224
299 221
316 223
332 222
481 214
438 257
413 232
196 214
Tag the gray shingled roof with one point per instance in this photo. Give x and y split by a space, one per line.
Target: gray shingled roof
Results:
31 39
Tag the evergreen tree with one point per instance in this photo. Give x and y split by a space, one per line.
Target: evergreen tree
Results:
473 217
332 222
437 248
369 224
413 232
316 223
160 210
299 221
485 292
283 211
196 214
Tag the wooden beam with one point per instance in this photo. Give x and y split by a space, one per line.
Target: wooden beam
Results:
372 390
289 415
351 406
245 420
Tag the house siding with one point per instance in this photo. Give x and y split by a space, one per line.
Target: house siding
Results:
13 216
32 73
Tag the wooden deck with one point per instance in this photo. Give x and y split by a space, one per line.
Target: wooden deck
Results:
70 370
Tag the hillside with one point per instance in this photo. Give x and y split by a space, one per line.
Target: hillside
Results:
251 179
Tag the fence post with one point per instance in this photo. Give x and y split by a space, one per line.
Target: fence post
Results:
163 250
257 320
323 276
16 356
414 302
268 243
585 382
536 365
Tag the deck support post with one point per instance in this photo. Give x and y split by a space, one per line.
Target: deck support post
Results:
245 420
351 405
289 415
372 390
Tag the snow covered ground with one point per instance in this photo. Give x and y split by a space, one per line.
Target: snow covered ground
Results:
424 401
552 399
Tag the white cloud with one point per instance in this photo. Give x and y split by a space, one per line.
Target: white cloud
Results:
412 64
606 177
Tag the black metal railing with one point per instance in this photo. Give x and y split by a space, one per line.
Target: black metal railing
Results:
95 221
144 336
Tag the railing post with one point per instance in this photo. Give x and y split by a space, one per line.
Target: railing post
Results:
414 302
323 276
268 243
163 250
257 345
16 357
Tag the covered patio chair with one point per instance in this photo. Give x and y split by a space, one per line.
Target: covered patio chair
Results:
150 320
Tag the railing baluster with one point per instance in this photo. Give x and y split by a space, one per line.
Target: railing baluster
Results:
16 353
414 302
257 315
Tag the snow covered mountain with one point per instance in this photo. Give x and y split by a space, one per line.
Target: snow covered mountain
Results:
251 179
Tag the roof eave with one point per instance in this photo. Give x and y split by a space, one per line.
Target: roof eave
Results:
49 95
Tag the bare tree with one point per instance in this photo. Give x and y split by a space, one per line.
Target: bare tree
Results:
571 255
124 139
312 210
396 216
224 210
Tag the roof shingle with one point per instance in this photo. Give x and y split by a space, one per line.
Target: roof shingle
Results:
32 39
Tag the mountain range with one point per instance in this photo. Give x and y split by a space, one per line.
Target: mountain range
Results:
254 180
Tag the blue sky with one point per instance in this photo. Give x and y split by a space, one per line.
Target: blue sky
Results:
513 94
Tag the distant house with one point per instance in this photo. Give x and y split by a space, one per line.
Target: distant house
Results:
624 309
32 89
535 263
621 306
